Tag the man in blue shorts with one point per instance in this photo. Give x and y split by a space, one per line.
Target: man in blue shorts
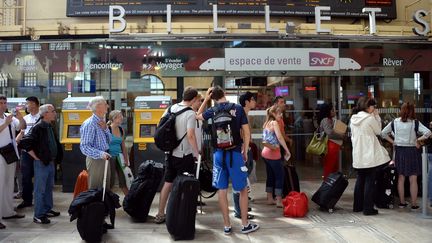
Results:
229 162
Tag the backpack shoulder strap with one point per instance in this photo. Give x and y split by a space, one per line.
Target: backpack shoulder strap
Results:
416 126
392 126
232 106
184 110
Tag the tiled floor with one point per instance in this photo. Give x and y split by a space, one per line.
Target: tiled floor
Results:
396 225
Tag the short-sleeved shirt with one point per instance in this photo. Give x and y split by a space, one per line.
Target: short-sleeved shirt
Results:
238 112
184 121
30 121
5 138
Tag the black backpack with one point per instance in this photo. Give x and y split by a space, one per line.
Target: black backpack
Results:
165 135
224 134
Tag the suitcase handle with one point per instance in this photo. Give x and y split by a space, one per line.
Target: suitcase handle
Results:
105 180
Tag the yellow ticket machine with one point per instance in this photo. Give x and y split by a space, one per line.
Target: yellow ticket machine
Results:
74 112
147 112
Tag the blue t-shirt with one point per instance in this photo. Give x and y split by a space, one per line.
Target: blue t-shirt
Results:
239 113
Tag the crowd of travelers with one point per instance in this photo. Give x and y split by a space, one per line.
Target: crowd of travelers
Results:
36 144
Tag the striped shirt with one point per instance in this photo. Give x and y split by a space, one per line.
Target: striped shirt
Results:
94 140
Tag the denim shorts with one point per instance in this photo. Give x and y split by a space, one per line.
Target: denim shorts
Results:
223 171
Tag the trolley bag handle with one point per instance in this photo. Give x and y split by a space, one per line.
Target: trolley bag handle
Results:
105 179
198 166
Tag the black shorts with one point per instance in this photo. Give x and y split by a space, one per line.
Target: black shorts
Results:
177 166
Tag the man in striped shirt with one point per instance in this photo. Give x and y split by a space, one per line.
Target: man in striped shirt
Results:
95 139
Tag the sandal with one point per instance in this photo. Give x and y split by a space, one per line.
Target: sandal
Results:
159 218
403 205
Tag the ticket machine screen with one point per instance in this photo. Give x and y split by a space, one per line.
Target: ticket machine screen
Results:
73 131
147 130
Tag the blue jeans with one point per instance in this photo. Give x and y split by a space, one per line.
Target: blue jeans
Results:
430 178
27 172
43 190
275 176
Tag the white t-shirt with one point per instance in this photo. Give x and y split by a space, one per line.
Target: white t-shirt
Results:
5 138
198 134
184 121
31 121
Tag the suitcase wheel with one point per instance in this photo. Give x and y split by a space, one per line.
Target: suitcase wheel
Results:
330 210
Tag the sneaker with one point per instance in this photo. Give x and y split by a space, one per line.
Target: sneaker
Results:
227 230
41 220
24 204
403 205
414 207
249 228
52 213
159 218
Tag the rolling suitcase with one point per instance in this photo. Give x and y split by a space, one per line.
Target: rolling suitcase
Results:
330 191
91 220
81 184
181 208
138 201
385 187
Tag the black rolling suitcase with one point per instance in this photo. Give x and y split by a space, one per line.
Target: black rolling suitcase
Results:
90 221
385 187
181 208
138 201
291 180
330 191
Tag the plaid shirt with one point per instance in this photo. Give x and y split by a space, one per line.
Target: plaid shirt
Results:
94 140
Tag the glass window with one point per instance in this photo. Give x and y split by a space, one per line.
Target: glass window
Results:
3 80
30 79
60 46
156 84
59 79
30 46
6 47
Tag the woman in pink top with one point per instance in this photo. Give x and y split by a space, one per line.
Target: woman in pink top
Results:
272 141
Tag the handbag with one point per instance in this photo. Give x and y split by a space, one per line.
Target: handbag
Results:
125 170
296 205
8 151
318 144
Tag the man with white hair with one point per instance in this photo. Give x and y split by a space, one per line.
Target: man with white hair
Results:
95 140
43 146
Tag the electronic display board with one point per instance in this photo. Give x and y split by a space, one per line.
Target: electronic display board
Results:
339 8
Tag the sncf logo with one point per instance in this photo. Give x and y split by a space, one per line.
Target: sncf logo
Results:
318 59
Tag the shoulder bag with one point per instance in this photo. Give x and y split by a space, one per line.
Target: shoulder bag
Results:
318 144
8 151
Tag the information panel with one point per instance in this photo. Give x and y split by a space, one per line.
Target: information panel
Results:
341 8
